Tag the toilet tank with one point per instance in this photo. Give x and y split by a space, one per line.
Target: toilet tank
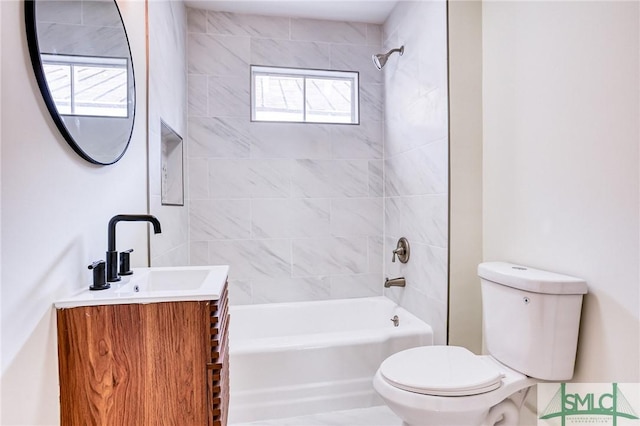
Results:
531 318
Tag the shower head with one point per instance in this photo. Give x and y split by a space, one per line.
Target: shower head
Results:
381 58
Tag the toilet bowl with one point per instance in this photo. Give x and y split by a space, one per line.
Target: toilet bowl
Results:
530 326
450 386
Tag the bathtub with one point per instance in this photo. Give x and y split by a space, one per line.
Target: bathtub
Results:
292 359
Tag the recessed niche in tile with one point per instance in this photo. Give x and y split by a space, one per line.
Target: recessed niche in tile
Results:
172 172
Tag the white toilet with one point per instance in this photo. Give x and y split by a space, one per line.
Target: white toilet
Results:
530 322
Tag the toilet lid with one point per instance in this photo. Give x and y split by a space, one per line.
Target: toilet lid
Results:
441 371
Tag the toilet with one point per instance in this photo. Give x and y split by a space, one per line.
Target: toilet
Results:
531 320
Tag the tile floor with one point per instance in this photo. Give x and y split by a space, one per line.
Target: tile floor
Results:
372 416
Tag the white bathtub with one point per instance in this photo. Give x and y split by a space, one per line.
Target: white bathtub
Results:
291 359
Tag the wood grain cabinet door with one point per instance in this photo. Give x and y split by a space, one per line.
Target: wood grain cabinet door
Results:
137 364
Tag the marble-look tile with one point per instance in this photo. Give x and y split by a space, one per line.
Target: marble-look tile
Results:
392 269
196 20
328 31
253 259
198 253
390 38
290 289
175 230
247 25
198 171
167 102
426 270
422 219
286 140
229 97
177 256
219 137
66 39
358 285
371 102
100 14
218 55
356 216
290 218
349 57
59 11
155 152
417 123
295 54
247 178
219 219
420 171
240 292
376 178
376 254
269 178
363 141
374 35
329 256
197 95
229 178
324 178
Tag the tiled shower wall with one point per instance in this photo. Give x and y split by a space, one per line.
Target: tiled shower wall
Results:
167 102
295 209
416 158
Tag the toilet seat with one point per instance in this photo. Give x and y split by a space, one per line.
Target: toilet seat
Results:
441 371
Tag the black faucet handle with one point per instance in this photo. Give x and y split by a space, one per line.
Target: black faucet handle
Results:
125 263
99 281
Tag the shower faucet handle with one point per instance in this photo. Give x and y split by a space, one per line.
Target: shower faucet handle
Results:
402 251
399 251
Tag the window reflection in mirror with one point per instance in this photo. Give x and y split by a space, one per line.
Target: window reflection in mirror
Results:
82 62
86 85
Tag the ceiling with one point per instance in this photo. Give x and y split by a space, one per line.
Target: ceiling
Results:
371 11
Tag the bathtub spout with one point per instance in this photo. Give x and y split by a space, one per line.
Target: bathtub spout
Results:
394 282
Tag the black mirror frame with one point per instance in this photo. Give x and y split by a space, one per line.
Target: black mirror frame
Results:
36 62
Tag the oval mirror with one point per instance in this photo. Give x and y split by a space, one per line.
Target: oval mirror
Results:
81 58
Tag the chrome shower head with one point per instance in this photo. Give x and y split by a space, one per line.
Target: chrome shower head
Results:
381 58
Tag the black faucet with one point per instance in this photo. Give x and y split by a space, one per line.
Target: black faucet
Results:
112 254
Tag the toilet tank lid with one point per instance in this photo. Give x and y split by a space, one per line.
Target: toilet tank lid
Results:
530 279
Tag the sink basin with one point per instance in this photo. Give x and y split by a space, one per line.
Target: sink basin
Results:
166 279
152 285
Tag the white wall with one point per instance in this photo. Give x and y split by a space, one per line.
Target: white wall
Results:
1 120
55 209
295 209
561 185
416 163
167 102
465 149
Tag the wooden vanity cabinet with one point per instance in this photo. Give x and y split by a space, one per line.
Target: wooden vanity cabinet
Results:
145 364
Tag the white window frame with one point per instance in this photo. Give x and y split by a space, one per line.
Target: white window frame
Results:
352 76
104 62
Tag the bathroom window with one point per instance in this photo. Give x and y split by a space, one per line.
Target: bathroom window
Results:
87 86
304 95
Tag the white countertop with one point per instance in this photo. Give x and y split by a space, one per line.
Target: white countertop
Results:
155 285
